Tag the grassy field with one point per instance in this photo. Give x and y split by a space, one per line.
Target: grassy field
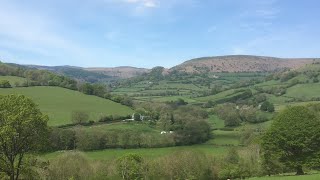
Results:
292 177
218 96
110 154
215 122
282 107
59 103
224 138
304 91
13 79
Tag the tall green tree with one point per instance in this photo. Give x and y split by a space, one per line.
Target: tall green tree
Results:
23 129
294 138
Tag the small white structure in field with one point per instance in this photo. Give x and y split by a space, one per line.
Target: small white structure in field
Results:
215 76
165 132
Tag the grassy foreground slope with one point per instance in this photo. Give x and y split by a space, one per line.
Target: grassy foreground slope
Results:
59 103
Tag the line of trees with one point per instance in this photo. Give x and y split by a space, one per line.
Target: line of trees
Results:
71 139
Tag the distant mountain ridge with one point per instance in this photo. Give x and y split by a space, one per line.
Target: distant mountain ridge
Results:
241 63
229 63
120 72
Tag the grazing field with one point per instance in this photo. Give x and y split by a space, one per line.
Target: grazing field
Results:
281 107
225 138
13 79
304 91
216 122
218 96
110 154
59 103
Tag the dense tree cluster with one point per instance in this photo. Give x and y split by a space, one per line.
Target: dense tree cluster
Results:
233 114
70 139
267 106
5 84
275 90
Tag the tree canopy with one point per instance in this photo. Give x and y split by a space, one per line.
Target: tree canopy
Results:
294 138
267 106
23 129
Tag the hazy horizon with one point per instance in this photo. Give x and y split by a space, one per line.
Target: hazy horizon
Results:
149 33
140 67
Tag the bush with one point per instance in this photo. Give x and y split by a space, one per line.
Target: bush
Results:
62 139
79 117
182 165
70 165
106 119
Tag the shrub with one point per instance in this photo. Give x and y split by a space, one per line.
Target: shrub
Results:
79 117
70 165
182 165
106 118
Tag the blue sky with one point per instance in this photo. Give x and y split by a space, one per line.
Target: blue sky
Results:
147 33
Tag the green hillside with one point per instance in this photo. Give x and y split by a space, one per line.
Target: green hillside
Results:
59 103
306 91
13 79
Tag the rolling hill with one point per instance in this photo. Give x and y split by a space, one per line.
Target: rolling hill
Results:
241 63
78 73
59 103
120 72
